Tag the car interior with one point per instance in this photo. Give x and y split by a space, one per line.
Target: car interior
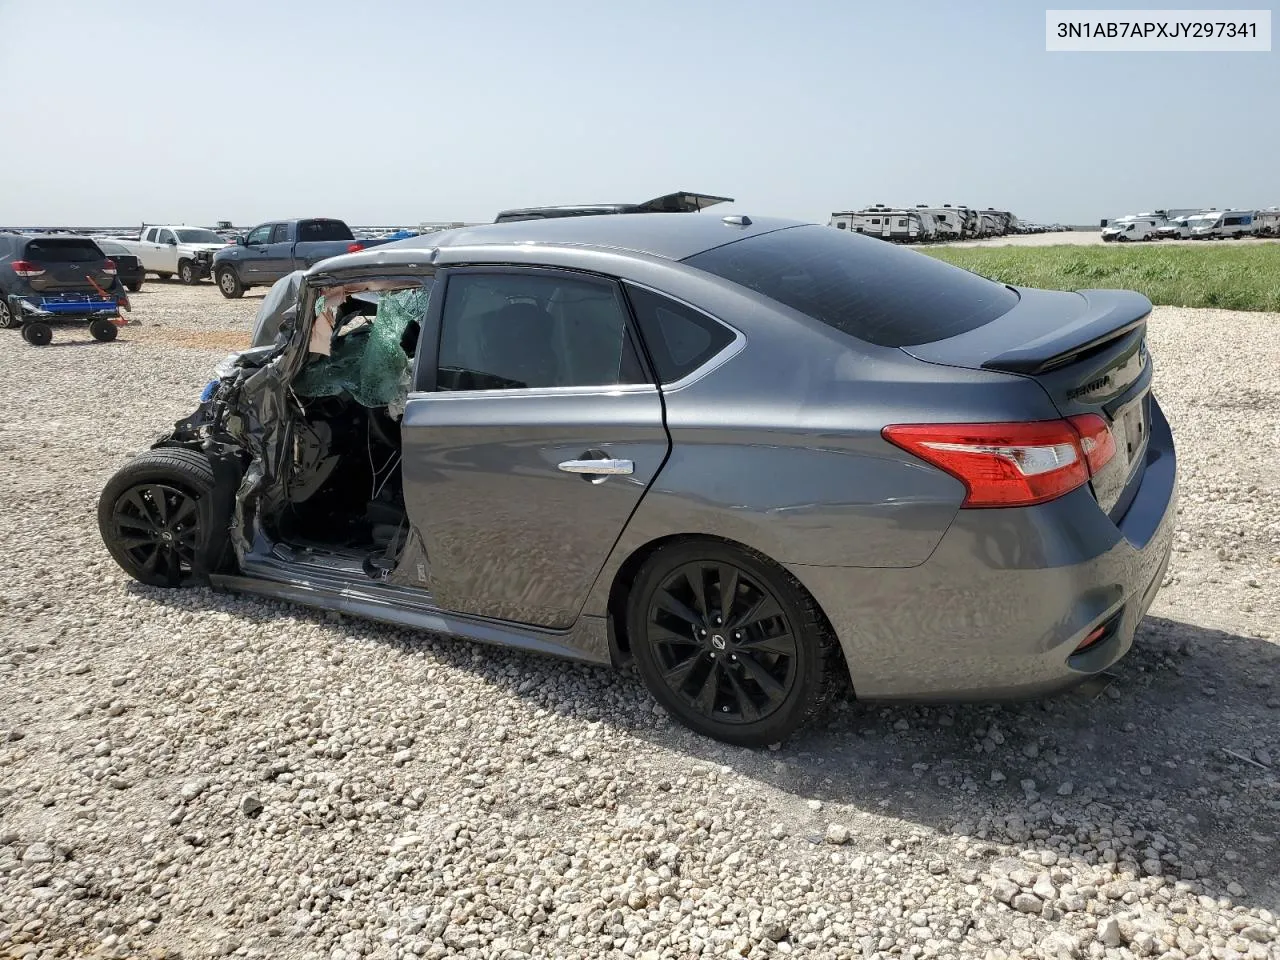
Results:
345 494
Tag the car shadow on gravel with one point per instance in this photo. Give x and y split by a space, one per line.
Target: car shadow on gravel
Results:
1181 742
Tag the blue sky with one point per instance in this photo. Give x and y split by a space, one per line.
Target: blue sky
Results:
392 111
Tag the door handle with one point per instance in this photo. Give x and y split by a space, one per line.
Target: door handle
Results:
603 467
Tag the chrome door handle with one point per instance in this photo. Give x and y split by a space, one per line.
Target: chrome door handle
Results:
605 468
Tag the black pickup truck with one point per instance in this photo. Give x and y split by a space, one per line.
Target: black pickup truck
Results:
273 250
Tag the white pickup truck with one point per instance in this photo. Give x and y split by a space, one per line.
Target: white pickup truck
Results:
172 249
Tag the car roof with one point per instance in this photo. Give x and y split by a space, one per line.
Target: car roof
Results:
669 236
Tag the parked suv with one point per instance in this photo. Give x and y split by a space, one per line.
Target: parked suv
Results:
50 279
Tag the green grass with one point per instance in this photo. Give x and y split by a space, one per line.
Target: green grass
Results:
1222 274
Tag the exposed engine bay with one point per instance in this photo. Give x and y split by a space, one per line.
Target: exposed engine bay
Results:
312 423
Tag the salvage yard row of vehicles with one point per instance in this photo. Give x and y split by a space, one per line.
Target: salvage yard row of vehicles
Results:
925 224
1210 224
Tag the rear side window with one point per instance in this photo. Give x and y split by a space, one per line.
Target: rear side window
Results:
679 338
869 289
315 231
63 251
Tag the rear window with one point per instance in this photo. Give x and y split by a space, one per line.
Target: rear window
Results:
869 289
315 231
112 249
63 251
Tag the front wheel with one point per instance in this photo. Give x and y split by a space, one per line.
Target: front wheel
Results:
37 333
7 318
188 273
163 518
103 331
731 644
229 283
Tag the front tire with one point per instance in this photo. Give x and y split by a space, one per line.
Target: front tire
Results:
7 319
188 273
229 283
163 518
730 644
37 333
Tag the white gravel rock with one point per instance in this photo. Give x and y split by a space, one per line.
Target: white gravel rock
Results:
204 774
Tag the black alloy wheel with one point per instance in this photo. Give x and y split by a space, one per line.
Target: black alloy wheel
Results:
163 517
158 526
729 643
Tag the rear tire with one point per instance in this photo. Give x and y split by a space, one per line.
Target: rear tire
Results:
749 668
38 333
163 518
229 283
103 331
134 287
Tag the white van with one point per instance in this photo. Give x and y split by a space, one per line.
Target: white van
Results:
1128 229
1267 222
1230 224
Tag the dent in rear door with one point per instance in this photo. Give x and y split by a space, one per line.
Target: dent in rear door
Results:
510 533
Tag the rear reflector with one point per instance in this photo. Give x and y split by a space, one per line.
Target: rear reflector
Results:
1092 638
109 268
354 247
1010 464
25 268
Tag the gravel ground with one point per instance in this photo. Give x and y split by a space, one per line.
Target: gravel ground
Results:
194 774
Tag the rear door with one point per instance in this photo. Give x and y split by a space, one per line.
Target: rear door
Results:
531 437
68 265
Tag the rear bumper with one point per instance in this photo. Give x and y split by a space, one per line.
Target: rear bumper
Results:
999 608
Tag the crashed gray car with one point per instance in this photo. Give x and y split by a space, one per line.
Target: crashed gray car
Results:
763 460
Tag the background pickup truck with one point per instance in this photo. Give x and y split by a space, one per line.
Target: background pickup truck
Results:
168 250
273 250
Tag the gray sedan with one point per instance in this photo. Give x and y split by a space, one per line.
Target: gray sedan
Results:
763 460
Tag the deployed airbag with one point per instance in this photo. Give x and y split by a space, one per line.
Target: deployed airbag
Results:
367 363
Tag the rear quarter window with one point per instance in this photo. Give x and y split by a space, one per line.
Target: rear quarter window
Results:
318 231
679 338
63 251
866 288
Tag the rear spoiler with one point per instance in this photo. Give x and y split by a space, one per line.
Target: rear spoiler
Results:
682 201
1112 315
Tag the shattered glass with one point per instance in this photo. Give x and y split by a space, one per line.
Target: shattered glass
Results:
367 362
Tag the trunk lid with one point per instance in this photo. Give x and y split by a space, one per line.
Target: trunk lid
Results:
1088 351
67 262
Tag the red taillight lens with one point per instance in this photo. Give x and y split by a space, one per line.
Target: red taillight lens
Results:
1096 441
1001 464
354 247
25 268
109 268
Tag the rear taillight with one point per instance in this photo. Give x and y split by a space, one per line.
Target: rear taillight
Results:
109 268
354 247
1096 441
1010 464
25 268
